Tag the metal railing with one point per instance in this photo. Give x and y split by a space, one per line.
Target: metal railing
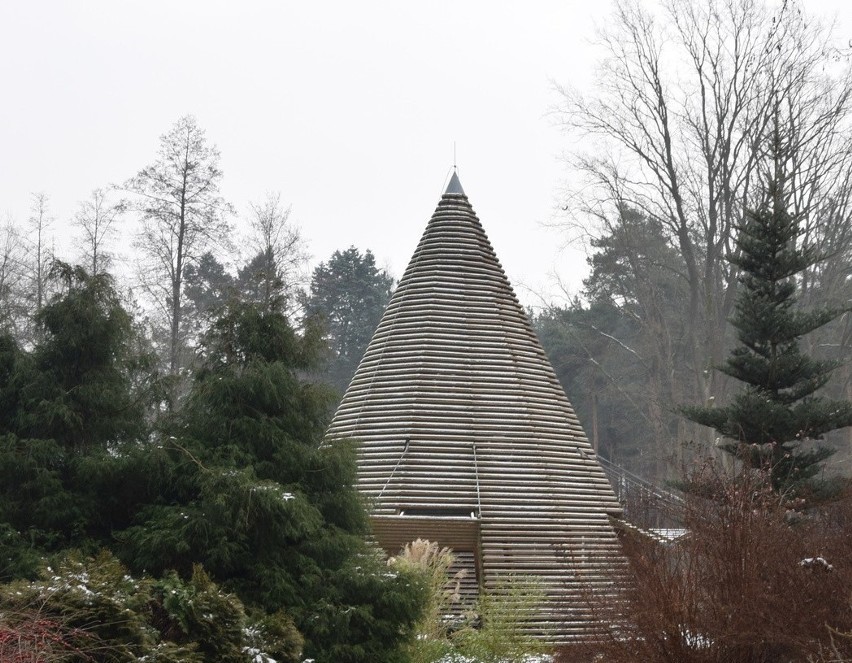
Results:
644 503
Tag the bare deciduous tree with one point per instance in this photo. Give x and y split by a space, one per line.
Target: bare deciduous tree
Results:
12 279
97 218
277 265
686 96
182 215
40 254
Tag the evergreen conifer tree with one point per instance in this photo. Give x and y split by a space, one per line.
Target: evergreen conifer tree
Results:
767 424
243 485
68 408
349 293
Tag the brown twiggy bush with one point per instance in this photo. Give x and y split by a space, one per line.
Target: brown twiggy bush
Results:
30 636
752 579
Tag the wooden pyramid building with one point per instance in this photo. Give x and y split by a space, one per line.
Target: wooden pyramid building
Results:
466 437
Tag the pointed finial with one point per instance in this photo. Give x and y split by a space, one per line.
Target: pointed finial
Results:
455 185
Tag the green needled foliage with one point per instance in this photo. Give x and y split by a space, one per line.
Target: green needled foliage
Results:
91 609
82 391
777 410
348 293
67 410
238 483
245 487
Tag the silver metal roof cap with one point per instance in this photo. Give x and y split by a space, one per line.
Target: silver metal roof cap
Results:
455 185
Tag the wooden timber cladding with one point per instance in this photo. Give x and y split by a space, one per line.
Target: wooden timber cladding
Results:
467 438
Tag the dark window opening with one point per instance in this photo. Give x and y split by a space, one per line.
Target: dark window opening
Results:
438 511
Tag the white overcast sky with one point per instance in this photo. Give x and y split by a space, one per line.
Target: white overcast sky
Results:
349 109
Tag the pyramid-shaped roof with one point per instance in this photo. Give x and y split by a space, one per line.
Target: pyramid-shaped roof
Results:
466 436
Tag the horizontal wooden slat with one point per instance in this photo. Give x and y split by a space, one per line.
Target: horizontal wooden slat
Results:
455 406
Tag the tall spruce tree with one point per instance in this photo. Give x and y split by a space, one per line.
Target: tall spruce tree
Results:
349 293
243 485
68 409
768 423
